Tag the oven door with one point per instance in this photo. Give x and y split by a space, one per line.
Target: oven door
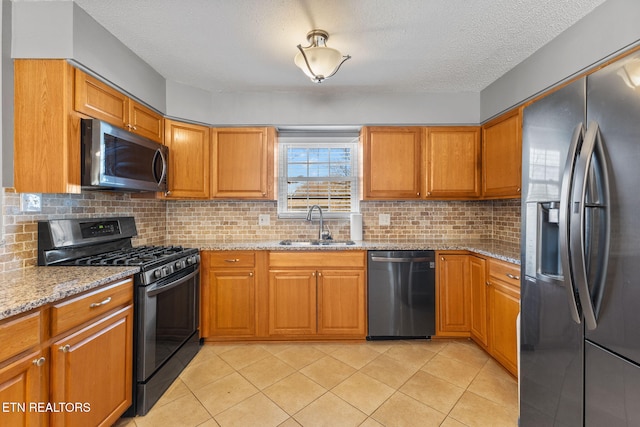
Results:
167 317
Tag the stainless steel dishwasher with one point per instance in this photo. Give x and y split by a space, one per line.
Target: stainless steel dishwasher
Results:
401 294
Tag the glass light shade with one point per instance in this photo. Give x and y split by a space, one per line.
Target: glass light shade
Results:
322 60
632 70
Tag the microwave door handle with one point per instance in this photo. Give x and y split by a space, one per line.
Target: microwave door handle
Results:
157 155
564 224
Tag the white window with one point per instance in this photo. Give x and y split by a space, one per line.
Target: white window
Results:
319 171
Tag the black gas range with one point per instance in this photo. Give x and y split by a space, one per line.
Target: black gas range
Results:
166 296
107 241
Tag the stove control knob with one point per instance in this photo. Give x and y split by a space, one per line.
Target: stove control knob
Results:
157 274
191 260
180 264
165 271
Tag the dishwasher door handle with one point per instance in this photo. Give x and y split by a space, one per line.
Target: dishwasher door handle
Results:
385 259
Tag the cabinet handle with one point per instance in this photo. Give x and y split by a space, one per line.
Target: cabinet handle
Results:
40 361
441 258
319 274
313 274
65 348
488 283
518 190
250 274
107 300
418 193
428 193
232 260
511 276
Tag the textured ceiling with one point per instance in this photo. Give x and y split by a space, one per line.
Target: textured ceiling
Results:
396 45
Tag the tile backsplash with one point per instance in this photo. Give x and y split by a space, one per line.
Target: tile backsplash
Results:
21 228
166 222
236 221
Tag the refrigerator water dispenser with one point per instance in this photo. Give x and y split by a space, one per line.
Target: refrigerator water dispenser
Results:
544 240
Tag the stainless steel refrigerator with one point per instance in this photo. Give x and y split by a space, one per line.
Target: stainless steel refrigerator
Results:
580 296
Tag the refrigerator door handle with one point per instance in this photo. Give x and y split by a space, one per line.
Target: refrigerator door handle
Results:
578 229
564 221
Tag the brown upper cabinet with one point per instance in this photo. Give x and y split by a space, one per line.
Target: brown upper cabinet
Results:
96 99
502 156
50 98
403 163
189 160
46 152
392 167
242 163
453 162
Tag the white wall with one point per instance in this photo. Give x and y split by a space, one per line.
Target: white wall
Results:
608 30
319 108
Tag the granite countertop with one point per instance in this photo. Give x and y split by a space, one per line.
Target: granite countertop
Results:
29 288
33 287
494 248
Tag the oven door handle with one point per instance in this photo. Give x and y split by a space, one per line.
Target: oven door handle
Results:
156 289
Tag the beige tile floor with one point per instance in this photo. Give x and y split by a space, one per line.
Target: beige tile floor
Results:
383 383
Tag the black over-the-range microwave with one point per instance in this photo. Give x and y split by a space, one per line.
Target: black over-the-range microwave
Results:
117 160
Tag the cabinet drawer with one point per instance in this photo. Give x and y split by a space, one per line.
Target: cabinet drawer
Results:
317 259
504 271
19 334
231 259
75 311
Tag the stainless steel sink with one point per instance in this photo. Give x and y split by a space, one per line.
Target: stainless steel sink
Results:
289 242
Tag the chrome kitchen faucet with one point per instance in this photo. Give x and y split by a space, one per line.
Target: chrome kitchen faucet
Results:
322 235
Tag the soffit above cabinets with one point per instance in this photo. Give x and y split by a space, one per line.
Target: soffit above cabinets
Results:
439 46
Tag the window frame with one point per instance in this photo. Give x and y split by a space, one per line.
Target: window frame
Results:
317 142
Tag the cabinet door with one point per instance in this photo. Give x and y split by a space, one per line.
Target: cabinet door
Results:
189 160
504 306
341 302
99 100
292 302
502 156
392 162
145 122
242 163
232 303
453 162
22 384
93 367
478 282
453 296
46 154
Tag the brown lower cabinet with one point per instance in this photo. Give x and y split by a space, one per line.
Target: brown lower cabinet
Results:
282 295
479 297
453 296
22 381
503 308
79 375
229 295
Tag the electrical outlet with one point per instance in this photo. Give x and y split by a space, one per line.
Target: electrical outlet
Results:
384 219
264 220
30 202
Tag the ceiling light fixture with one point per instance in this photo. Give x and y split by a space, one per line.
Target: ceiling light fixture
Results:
318 61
